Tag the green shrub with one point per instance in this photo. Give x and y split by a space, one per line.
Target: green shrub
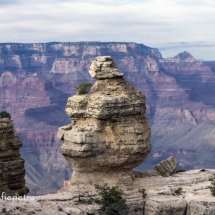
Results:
161 193
83 88
4 210
112 201
143 193
178 191
212 188
7 192
5 114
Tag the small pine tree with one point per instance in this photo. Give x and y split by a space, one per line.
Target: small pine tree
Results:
83 88
143 193
112 200
5 114
212 188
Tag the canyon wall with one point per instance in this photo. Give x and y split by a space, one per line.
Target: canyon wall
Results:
37 79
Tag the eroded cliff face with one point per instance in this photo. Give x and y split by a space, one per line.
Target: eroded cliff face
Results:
37 79
12 170
109 134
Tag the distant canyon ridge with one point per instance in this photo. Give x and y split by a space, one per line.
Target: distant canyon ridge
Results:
37 79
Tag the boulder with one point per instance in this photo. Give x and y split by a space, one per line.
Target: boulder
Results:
167 167
104 67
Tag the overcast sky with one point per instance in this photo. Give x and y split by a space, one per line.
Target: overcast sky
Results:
172 26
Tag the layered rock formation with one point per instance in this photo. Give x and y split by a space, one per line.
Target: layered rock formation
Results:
36 80
12 170
109 134
167 167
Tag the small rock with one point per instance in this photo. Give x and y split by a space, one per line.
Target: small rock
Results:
73 210
167 167
104 67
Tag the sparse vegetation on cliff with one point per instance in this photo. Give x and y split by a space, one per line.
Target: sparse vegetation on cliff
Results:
212 187
112 200
178 191
4 191
83 88
143 193
5 114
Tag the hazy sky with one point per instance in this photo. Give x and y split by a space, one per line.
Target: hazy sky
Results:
170 25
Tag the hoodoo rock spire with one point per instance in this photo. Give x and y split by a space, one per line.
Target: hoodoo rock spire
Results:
109 134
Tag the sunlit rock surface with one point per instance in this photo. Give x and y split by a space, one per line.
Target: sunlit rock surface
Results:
109 134
161 199
167 167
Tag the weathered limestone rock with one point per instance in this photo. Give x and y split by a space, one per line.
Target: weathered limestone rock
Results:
12 170
167 167
104 67
168 205
109 134
202 206
195 199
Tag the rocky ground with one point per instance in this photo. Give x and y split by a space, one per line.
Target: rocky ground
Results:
161 198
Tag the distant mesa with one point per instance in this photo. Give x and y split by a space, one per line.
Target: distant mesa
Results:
181 57
184 55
